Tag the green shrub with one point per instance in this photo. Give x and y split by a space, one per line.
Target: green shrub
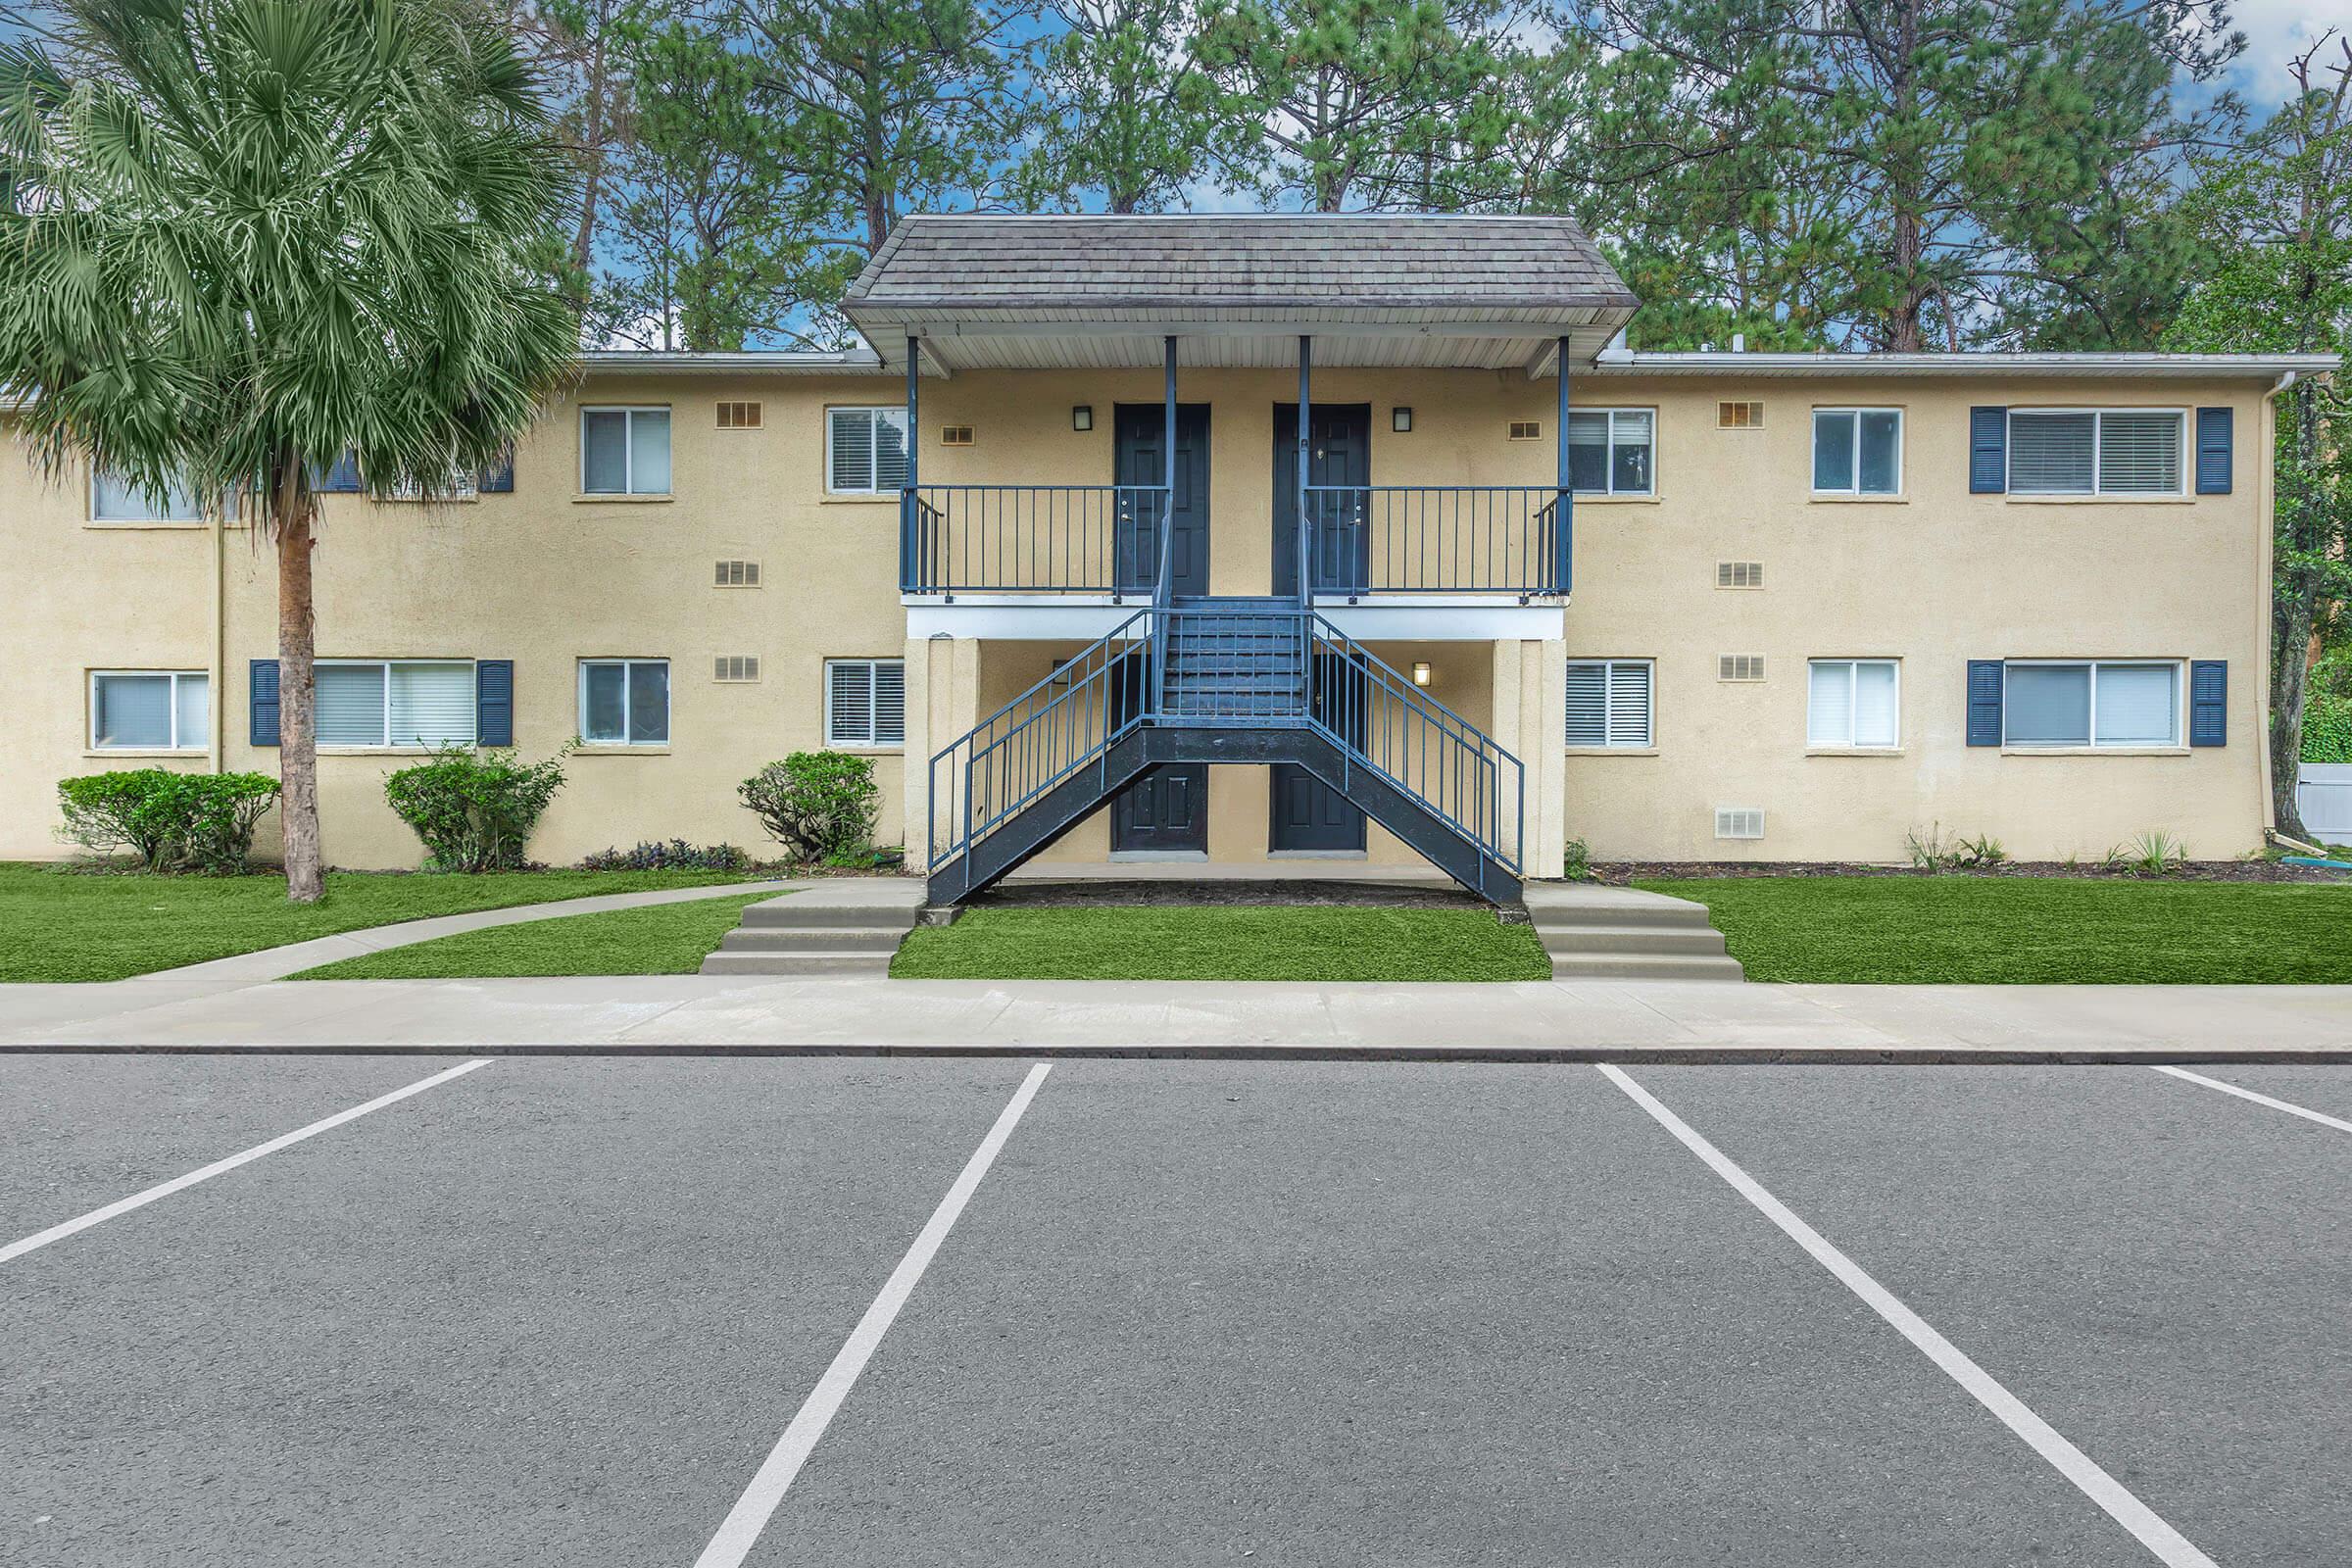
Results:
168 821
675 855
474 810
818 804
2328 728
1576 866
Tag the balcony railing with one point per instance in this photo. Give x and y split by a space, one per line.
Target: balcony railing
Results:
1438 539
1031 538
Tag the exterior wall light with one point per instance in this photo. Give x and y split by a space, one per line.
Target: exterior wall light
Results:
1421 673
1401 420
1082 417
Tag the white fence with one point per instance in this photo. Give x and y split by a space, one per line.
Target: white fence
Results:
2324 797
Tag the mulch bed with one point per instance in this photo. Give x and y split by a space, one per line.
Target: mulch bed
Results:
1233 893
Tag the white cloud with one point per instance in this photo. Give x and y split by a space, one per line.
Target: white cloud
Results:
2278 30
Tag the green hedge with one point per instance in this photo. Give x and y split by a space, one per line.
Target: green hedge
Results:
2328 728
168 822
475 813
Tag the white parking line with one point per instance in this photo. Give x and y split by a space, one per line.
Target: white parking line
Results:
752 1511
2170 1547
124 1206
2338 1123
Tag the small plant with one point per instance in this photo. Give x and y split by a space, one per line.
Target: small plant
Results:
474 810
1979 853
1929 849
1578 867
168 821
2115 860
676 854
2155 853
818 804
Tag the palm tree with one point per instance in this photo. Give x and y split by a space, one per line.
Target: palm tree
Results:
240 239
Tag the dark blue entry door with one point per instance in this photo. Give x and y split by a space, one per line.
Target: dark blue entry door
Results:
1166 809
1305 812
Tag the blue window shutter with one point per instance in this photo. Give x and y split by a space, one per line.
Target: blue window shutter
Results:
341 478
2213 454
262 704
1987 451
498 477
1984 702
2208 700
494 702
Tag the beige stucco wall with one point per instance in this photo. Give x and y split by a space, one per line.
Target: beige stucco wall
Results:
546 578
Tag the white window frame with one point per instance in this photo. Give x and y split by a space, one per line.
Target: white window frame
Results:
1853 680
201 517
833 485
670 713
384 728
1608 703
2180 667
873 707
1609 452
629 447
1855 489
179 743
2098 439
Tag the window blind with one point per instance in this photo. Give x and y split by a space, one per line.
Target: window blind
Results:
132 711
2050 454
431 705
2140 454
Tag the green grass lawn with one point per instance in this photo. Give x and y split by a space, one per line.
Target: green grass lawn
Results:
56 925
1223 943
2023 930
662 938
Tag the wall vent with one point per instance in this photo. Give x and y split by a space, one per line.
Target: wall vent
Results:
735 668
1739 574
1527 429
739 416
1738 823
954 435
1740 415
738 574
1739 666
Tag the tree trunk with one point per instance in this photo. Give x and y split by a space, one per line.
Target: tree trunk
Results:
297 733
2296 585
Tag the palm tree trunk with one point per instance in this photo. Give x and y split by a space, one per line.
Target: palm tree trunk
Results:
297 735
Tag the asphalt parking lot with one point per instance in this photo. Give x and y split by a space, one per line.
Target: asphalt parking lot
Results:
863 1312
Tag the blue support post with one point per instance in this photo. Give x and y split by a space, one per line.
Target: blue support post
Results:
1306 534
1563 526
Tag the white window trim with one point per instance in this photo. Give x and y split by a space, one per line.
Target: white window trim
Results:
204 516
179 743
1609 460
1853 680
2179 669
2098 440
1855 489
833 486
1609 708
873 705
628 448
388 744
626 728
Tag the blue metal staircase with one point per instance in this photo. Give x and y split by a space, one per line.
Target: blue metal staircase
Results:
1224 680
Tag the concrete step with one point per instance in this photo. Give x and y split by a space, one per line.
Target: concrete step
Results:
791 914
1617 916
1657 939
1643 967
811 939
798 963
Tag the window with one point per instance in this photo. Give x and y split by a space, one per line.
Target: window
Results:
150 709
866 451
866 702
1608 702
401 702
1609 451
2104 452
1852 703
624 452
2087 703
1857 451
624 701
115 499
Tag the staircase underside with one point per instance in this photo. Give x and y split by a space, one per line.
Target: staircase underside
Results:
1062 808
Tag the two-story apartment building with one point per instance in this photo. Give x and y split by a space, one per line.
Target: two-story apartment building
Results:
1057 548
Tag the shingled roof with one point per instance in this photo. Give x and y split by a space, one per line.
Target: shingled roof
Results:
1192 263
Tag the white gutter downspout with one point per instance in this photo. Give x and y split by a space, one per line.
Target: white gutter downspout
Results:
2267 585
215 731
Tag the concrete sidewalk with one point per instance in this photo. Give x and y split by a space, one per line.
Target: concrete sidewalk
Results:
1556 1020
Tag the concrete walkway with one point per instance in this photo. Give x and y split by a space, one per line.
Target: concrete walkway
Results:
1556 1020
